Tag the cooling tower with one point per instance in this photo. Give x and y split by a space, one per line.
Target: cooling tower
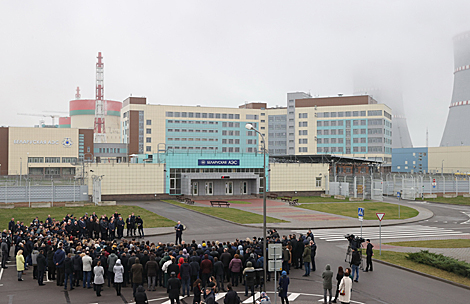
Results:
456 132
384 85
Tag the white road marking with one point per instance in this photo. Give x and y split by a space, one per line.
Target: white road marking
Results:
388 232
250 299
467 214
293 296
168 302
220 295
1 273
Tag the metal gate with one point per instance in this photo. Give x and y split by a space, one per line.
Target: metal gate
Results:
409 189
377 190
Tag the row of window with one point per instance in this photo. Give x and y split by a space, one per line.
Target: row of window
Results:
197 131
197 122
224 149
208 115
52 159
347 114
192 139
355 122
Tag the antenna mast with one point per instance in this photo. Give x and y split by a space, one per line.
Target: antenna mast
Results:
77 95
100 104
427 146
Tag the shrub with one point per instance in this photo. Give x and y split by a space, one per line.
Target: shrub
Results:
441 262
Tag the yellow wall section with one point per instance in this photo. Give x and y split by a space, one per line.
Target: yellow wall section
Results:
127 178
455 158
297 177
23 150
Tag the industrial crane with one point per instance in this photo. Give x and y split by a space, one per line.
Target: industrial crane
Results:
42 115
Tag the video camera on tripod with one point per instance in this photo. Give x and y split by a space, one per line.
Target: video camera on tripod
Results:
355 242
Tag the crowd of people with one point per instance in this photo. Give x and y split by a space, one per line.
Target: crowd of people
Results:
91 252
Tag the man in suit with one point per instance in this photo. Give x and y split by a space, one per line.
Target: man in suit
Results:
179 232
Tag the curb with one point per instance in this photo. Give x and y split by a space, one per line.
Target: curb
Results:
212 216
269 225
422 274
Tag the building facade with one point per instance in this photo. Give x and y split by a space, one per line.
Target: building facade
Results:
353 126
43 152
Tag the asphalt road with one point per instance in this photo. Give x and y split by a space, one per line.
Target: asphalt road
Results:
384 285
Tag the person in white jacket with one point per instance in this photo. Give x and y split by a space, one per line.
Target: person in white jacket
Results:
87 262
345 287
118 270
98 271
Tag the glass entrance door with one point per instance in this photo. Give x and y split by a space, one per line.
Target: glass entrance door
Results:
194 187
209 188
243 187
229 188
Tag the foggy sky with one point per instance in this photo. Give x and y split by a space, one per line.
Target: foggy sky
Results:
223 53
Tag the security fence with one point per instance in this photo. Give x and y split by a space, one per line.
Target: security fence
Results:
407 186
14 191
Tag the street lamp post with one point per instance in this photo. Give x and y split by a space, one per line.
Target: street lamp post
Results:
252 128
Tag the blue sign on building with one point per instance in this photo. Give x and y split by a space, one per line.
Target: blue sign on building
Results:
218 162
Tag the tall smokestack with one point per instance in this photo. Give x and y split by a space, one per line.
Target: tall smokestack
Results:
458 121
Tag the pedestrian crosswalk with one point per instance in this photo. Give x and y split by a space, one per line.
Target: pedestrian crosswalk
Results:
247 300
388 232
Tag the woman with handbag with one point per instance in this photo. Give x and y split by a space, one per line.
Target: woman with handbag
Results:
283 286
339 276
345 287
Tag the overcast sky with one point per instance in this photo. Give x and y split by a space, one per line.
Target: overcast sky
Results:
223 53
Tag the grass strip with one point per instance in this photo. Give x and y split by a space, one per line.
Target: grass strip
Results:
451 243
459 200
231 214
26 215
319 199
399 258
371 208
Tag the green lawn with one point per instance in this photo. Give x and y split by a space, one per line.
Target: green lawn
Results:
398 258
451 243
318 199
459 200
240 202
27 215
231 214
350 209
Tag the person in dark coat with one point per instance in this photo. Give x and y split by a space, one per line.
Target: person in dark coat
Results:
58 259
219 273
185 273
42 264
226 257
197 291
173 289
68 271
50 264
327 277
313 253
283 286
210 297
136 271
140 226
355 262
369 253
151 268
231 297
339 277
77 268
140 296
